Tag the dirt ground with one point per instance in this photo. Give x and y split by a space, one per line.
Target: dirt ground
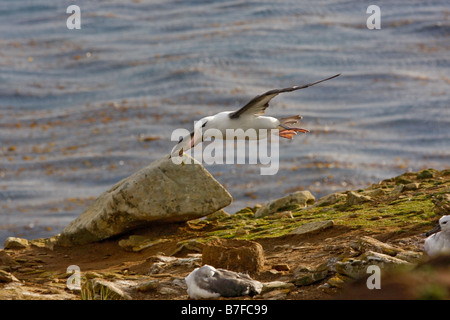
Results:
399 219
110 261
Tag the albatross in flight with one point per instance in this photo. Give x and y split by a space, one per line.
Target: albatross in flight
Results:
249 116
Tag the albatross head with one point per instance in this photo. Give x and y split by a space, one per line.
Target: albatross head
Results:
444 225
191 140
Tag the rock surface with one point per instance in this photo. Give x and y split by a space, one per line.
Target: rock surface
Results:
7 277
329 199
152 263
357 267
234 255
218 215
307 276
296 199
16 243
354 198
366 243
159 193
276 285
312 227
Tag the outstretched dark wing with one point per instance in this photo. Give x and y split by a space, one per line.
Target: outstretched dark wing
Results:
259 104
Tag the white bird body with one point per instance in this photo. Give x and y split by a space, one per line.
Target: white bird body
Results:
439 241
222 123
250 116
194 291
208 282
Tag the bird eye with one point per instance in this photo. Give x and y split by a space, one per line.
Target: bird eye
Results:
444 222
203 125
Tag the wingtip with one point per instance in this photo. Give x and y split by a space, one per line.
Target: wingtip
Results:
336 75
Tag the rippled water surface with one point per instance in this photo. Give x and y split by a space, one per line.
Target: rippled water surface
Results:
82 109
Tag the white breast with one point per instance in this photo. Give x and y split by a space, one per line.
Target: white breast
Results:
222 122
437 244
194 291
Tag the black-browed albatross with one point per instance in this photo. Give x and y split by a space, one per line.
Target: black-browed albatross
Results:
438 241
208 282
249 116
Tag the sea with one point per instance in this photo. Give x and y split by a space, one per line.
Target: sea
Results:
82 108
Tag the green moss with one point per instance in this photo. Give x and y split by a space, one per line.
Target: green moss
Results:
386 213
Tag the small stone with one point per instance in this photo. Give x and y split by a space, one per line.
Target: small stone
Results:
276 294
313 227
281 267
326 285
103 290
16 243
412 186
6 260
7 277
409 256
276 285
273 272
366 243
167 291
281 215
151 285
354 198
338 280
299 199
329 199
305 278
218 215
48 243
303 268
357 267
241 232
375 192
398 190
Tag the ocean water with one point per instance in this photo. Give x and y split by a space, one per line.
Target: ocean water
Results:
82 109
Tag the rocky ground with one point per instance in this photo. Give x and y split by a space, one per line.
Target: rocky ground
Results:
299 247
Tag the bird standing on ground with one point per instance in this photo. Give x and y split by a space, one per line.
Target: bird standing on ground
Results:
438 241
250 116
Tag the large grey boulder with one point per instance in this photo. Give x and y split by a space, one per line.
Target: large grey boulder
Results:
162 192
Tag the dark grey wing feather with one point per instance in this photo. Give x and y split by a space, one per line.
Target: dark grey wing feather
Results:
259 104
231 284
